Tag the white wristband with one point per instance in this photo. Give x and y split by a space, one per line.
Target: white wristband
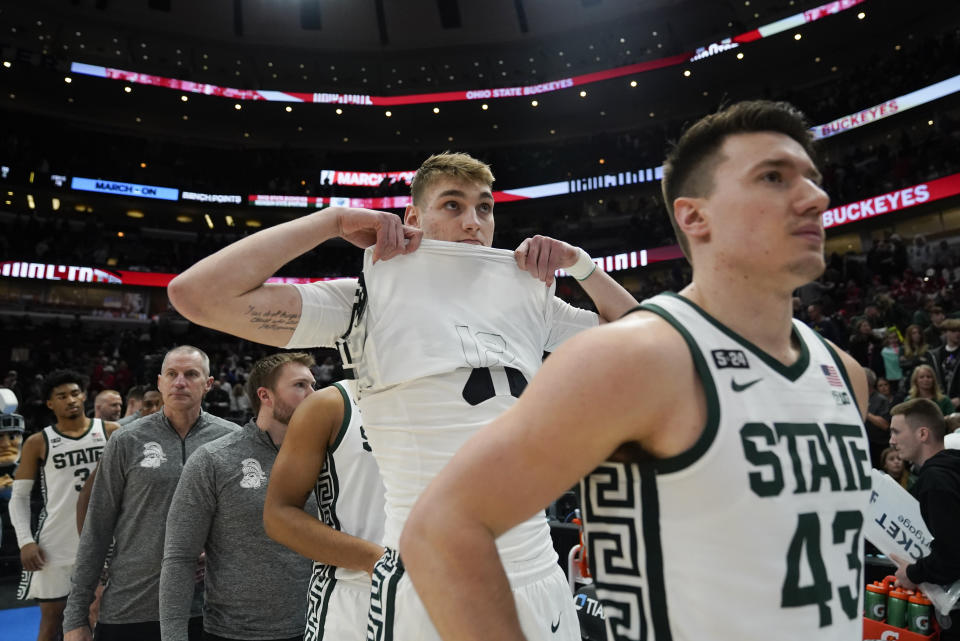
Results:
583 268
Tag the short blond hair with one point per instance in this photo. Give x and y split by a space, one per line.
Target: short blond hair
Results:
266 371
449 165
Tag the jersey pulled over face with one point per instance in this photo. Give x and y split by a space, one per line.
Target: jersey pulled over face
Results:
455 210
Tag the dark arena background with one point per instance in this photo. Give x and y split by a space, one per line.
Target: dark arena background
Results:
138 137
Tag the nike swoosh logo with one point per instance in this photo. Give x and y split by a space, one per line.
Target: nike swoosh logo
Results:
737 387
556 626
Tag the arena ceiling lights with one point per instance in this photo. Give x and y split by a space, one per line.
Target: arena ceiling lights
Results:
792 22
843 124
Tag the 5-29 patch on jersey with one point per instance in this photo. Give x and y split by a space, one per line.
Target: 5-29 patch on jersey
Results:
727 358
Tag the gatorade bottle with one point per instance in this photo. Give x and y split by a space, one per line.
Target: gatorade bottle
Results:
875 600
897 608
918 614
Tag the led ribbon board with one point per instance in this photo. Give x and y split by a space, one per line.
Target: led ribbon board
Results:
234 199
364 178
588 183
887 109
850 213
840 125
765 31
892 202
76 274
124 189
571 186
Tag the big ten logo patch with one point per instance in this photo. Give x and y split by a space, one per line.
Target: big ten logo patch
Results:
841 398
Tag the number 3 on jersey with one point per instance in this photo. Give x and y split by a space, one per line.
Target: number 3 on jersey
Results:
806 543
84 474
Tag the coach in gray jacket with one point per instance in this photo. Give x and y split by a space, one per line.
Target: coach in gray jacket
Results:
139 470
255 588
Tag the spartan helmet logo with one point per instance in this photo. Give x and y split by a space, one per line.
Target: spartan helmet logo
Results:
253 475
153 455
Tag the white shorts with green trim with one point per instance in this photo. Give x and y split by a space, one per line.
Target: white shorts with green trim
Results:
337 609
52 582
545 607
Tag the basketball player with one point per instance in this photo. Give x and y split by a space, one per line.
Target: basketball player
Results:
454 393
326 452
63 454
107 405
138 474
253 587
725 461
152 402
134 401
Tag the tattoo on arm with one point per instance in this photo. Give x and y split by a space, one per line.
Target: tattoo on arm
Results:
272 319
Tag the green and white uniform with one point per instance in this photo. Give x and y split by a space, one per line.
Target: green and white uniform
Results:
445 341
69 461
350 499
758 526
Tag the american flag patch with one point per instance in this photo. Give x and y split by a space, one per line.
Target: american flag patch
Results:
832 376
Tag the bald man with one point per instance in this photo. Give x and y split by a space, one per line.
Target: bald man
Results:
108 405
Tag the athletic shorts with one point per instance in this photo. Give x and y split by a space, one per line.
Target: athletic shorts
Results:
544 605
337 610
50 583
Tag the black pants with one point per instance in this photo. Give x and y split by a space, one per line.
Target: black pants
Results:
145 631
212 637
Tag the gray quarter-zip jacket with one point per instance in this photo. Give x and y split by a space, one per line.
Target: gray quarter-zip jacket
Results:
255 587
139 470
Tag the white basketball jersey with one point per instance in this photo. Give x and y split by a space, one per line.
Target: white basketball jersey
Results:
68 464
757 529
446 306
453 333
349 490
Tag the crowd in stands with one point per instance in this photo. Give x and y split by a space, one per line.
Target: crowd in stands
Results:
120 359
896 310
